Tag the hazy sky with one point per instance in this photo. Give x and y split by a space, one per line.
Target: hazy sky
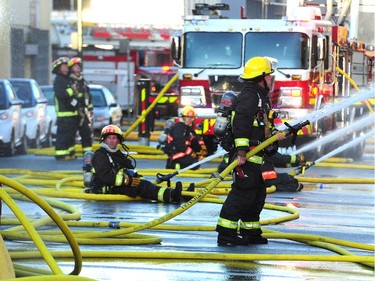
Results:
163 12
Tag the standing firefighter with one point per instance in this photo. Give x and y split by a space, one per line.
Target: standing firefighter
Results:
115 173
66 103
184 146
85 106
250 126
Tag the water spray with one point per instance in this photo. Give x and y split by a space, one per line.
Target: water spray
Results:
303 168
333 107
161 177
357 125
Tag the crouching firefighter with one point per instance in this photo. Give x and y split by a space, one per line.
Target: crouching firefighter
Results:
184 147
282 181
239 220
114 172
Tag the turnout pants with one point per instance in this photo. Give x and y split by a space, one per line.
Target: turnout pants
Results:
65 137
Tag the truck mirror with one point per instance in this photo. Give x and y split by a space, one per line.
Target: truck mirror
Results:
321 48
176 48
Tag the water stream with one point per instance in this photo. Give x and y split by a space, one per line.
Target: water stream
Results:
333 107
357 125
346 146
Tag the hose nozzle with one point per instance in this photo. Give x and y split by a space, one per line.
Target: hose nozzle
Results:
160 177
301 169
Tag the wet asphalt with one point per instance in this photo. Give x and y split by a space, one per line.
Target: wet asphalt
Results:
342 211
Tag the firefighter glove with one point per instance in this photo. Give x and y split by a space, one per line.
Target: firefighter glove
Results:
300 159
203 151
132 181
272 148
241 157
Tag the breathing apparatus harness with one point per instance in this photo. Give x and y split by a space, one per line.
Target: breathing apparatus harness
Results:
89 171
223 125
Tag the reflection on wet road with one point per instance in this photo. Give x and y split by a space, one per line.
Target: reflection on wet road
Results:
188 249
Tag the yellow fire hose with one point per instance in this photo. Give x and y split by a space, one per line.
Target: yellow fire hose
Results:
31 230
152 105
355 86
84 236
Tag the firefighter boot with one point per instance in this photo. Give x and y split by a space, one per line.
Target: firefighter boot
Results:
173 195
176 193
230 238
253 236
191 188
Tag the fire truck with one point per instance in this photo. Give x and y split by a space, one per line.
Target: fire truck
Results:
212 52
159 76
115 56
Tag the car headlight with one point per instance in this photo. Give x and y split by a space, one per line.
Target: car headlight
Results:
4 116
193 96
290 97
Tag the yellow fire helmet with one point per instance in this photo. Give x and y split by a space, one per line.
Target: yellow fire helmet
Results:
255 67
188 111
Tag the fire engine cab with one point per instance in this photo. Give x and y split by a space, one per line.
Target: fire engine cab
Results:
306 48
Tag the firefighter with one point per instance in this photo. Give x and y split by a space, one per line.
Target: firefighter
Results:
85 106
282 181
114 172
238 222
66 104
185 146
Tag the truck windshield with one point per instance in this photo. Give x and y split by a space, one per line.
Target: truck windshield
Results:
212 50
290 49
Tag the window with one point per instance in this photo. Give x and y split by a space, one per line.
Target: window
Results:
3 98
289 48
98 98
212 49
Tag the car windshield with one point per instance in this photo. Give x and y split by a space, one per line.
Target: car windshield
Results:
3 99
23 92
49 93
98 99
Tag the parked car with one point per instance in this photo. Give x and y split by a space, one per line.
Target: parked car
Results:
34 109
106 109
12 123
49 93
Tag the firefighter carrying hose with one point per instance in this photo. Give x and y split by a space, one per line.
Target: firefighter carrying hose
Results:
66 103
184 147
250 126
114 172
85 106
282 181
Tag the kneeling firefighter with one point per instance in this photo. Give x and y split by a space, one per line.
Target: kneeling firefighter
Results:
114 172
238 223
184 147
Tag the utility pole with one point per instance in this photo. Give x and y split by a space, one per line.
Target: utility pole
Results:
79 28
5 54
